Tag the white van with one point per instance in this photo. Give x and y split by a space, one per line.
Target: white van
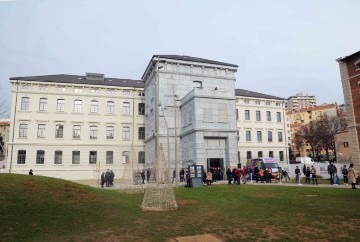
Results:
304 160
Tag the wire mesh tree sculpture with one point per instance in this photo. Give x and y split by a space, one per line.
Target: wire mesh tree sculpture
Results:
159 194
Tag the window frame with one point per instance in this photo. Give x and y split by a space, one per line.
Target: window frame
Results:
21 158
40 157
58 155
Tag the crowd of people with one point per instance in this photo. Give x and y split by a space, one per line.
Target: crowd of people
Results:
107 178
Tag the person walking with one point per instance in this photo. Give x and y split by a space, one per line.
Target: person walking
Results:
313 173
353 175
345 173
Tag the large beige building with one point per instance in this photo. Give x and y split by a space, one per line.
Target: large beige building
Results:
262 126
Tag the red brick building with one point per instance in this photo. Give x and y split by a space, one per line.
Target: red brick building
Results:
350 78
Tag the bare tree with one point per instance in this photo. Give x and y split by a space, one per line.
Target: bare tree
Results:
299 140
311 136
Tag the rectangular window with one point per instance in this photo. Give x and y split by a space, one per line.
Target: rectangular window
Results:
58 157
76 131
141 157
110 107
94 106
109 132
346 144
109 157
25 103
141 132
40 157
126 108
248 135
268 116
278 116
248 155
237 114
43 104
59 131
60 105
125 157
280 137
23 130
207 114
141 109
126 133
222 112
247 114
271 154
92 157
41 131
77 106
258 116
260 154
21 157
93 132
270 139
76 157
281 155
259 136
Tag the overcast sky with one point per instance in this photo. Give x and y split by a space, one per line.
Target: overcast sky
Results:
282 47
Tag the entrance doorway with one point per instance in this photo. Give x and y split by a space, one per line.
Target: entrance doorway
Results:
215 162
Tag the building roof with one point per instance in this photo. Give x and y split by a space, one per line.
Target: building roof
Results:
77 79
246 93
315 108
193 59
348 57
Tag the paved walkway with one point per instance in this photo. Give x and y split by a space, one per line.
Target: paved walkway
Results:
118 185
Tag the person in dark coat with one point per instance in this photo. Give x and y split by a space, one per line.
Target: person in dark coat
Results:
228 174
112 175
256 173
31 172
143 176
102 179
307 174
107 178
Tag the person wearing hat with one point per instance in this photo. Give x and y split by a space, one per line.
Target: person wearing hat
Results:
313 173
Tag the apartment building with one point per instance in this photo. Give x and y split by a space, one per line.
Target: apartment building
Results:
305 116
261 126
350 78
299 101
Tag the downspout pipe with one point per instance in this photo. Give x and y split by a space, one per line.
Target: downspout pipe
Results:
13 126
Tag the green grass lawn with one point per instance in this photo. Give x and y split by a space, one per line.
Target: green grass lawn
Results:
34 208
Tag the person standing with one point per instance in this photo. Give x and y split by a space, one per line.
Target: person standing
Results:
297 173
143 176
353 175
228 175
243 175
307 174
332 171
313 173
345 172
102 179
256 173
107 178
112 175
209 178
31 172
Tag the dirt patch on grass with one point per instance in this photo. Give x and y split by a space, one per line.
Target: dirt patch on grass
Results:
197 238
186 202
311 195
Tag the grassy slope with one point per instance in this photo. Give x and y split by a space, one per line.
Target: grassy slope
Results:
34 208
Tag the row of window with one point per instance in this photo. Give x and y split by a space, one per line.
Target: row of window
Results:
93 157
258 102
259 136
78 106
258 116
260 154
76 134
